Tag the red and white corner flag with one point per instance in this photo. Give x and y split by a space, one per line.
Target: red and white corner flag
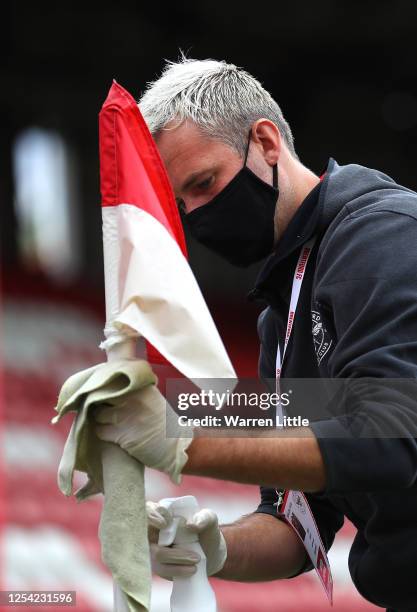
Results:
150 288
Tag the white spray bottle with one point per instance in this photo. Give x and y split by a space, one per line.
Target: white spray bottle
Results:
195 592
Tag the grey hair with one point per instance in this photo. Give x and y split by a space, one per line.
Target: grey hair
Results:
220 98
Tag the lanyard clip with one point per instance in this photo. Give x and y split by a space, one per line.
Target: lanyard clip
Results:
280 494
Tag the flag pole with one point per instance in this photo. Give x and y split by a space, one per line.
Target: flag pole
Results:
116 346
150 289
124 350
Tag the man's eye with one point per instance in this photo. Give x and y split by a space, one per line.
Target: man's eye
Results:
205 184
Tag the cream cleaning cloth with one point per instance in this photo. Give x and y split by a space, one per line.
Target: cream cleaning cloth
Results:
110 470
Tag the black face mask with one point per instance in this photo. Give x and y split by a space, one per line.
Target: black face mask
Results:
238 223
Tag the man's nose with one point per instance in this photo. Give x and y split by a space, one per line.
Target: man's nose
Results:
193 203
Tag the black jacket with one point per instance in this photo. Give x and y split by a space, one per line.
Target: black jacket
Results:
356 318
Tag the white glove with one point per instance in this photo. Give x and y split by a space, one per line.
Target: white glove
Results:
137 423
176 561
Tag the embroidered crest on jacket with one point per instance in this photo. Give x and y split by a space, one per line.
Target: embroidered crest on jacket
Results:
321 337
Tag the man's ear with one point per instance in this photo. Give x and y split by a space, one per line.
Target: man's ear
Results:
267 137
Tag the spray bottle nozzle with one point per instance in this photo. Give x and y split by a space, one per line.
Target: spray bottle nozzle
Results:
181 509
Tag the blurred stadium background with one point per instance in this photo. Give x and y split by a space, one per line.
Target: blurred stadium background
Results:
346 78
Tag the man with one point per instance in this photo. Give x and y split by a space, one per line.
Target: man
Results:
230 156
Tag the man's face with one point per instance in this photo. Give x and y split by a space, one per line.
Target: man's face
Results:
198 166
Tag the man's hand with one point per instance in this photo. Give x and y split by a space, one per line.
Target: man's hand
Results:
176 561
137 423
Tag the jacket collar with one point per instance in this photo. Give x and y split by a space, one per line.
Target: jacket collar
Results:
308 220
